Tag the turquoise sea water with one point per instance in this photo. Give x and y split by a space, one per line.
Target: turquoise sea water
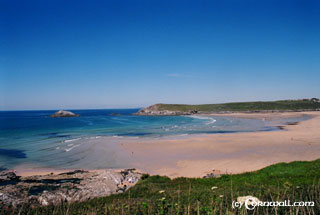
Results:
33 137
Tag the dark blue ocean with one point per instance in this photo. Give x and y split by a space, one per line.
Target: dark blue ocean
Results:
32 137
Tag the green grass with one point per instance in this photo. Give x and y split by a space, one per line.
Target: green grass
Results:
283 105
296 181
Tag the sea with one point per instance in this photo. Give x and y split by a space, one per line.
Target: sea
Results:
33 138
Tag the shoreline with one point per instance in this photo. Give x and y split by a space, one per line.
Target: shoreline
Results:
55 171
196 155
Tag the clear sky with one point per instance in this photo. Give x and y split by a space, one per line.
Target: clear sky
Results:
106 54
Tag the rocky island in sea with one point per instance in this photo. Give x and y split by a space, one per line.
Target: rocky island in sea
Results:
63 113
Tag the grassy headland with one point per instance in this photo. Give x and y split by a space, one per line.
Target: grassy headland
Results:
296 181
283 105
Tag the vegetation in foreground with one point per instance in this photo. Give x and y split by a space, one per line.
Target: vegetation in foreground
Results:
283 105
296 181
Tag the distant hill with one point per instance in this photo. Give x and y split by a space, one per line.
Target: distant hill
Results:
258 106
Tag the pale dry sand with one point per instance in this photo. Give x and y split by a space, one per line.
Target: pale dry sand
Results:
196 156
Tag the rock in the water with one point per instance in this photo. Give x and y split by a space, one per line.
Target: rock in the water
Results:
63 113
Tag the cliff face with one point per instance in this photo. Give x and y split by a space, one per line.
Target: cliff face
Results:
154 110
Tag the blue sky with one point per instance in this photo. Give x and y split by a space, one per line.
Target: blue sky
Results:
107 54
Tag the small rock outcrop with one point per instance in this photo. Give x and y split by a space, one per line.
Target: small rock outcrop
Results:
212 175
8 176
63 113
52 189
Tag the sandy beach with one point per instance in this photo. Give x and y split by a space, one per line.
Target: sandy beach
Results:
196 156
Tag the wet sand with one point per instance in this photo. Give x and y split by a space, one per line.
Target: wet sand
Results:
197 155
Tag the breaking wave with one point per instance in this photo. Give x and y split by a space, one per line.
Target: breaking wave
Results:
71 140
209 119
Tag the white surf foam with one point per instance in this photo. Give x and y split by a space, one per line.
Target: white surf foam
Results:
71 140
69 149
96 137
116 136
210 119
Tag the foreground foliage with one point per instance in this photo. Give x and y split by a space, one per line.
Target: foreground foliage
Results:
296 181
